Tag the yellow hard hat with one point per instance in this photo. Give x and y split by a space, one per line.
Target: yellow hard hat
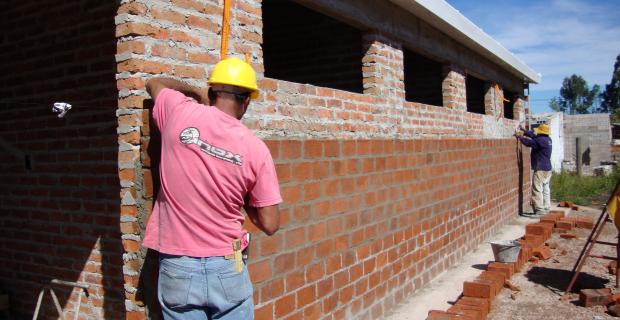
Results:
235 72
542 129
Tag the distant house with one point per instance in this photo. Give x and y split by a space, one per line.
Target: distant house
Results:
595 138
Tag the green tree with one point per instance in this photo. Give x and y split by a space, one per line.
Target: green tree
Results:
576 95
611 95
555 105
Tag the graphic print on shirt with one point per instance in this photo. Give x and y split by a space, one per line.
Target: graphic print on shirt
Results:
192 136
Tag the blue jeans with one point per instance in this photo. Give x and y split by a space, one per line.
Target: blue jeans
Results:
203 288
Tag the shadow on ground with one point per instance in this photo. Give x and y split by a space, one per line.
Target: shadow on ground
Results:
557 280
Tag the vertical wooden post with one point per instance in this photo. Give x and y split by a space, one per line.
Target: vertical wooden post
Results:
225 29
578 155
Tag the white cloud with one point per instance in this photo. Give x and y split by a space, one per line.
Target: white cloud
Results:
556 38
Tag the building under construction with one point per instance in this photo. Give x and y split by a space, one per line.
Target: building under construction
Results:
390 123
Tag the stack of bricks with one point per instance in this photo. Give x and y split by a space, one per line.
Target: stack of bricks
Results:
479 293
476 301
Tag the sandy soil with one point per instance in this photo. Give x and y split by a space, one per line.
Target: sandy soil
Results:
543 283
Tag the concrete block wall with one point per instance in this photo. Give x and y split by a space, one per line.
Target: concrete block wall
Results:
595 133
59 205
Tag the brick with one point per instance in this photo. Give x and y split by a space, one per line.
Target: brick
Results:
535 239
542 252
565 224
559 213
472 312
484 304
541 229
584 222
550 219
595 297
506 268
443 315
568 236
497 278
479 288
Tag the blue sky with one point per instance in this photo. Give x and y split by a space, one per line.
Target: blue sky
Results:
556 38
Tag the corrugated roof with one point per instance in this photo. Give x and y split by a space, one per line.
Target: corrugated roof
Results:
447 19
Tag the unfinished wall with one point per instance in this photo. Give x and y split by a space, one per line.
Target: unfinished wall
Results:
595 133
380 194
58 177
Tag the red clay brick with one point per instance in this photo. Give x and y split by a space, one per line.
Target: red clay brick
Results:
559 213
595 297
508 269
584 222
542 252
472 312
565 223
498 279
483 304
443 315
537 240
541 229
568 236
479 288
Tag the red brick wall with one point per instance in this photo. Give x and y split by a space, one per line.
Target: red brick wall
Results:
369 199
59 219
367 222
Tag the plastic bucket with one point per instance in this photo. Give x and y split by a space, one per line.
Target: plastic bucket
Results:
506 250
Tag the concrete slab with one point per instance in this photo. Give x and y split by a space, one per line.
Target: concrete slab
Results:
448 286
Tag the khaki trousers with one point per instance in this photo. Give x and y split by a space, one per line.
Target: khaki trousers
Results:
541 194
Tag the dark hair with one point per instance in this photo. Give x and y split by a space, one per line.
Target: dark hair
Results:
239 97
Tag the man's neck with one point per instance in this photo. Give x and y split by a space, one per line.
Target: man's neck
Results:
228 108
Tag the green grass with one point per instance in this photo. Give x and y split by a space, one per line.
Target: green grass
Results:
582 190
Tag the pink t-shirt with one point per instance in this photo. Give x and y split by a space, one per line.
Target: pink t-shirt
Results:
210 162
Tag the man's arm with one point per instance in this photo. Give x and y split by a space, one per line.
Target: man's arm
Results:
265 218
155 85
528 142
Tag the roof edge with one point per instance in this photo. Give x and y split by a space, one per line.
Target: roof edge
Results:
447 19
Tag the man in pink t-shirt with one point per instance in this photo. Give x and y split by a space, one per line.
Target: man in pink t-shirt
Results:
211 167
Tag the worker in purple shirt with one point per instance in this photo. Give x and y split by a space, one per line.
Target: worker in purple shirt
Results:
541 145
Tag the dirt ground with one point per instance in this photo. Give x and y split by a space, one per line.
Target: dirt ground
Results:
543 283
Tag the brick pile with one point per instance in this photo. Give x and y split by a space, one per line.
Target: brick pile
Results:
489 283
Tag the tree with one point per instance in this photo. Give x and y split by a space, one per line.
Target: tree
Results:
576 97
611 95
555 105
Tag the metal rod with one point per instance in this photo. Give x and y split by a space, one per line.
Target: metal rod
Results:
600 256
38 307
57 304
70 284
606 243
596 232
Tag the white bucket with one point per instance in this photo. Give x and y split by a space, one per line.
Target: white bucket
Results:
506 250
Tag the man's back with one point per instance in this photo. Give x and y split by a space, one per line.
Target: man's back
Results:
541 153
210 162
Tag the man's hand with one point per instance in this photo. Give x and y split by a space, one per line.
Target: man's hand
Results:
266 218
155 85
